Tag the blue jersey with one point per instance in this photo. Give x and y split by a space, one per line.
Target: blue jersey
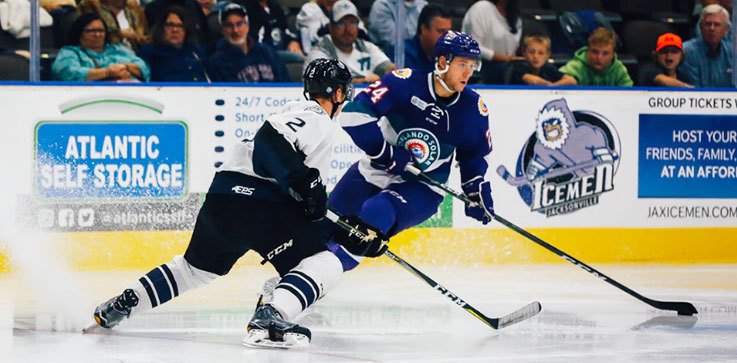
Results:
403 109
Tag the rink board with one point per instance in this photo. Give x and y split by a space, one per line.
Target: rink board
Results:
115 174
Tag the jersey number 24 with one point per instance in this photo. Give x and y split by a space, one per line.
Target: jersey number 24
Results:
376 91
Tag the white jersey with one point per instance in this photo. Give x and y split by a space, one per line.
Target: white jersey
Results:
365 58
305 126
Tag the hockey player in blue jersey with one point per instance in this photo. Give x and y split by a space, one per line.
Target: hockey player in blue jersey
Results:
427 119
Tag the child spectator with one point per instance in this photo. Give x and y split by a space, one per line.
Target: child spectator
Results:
88 56
535 69
597 63
172 56
666 71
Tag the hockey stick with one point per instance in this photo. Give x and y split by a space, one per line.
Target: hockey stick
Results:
682 307
521 314
519 180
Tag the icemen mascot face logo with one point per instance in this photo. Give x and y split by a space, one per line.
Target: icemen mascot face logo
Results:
568 162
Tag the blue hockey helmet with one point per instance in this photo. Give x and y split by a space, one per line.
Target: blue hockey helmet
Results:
453 43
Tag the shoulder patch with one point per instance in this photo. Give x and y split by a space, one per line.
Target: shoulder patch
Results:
403 73
482 108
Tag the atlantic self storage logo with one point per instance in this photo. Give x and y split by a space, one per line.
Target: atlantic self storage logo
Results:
568 162
140 157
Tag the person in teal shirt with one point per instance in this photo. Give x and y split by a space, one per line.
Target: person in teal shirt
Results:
597 63
89 57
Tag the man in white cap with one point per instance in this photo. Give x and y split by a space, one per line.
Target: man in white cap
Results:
365 60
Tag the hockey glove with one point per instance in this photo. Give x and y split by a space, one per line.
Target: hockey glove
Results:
392 159
479 191
312 196
363 240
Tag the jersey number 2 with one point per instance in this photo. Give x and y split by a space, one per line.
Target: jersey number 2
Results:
292 124
376 92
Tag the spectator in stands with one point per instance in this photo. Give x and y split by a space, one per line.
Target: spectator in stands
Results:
365 60
125 20
419 51
597 63
268 25
172 56
206 6
15 17
666 70
496 25
535 69
240 58
709 59
205 38
88 56
51 5
313 18
726 4
382 21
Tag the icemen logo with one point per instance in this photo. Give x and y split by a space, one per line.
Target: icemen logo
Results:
422 144
403 73
568 162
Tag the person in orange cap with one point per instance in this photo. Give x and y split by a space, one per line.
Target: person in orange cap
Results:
666 71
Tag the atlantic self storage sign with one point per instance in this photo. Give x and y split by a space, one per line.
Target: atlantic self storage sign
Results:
111 159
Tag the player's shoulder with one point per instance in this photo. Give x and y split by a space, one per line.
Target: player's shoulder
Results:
473 104
305 109
404 76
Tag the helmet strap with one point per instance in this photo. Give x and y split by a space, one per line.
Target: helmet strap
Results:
437 72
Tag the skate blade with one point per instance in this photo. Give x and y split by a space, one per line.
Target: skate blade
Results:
91 325
259 338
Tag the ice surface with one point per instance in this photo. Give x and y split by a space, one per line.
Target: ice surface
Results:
385 314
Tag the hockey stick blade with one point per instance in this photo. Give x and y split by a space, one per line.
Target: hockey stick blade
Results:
524 313
521 314
682 307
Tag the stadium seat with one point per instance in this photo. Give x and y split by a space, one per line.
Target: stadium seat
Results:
13 67
534 9
295 71
660 10
640 37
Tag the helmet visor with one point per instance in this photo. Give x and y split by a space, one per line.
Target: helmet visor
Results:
349 91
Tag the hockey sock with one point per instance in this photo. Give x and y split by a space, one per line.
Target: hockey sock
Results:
306 283
168 281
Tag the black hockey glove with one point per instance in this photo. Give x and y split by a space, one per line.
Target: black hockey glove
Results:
479 191
363 240
393 159
314 199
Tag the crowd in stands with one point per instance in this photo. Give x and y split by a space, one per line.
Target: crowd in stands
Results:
523 42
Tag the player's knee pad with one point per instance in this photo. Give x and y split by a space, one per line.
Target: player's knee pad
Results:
306 283
167 281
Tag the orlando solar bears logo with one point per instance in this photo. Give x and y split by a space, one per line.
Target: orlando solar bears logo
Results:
568 162
423 145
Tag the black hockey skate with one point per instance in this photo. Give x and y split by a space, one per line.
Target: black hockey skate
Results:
268 329
113 311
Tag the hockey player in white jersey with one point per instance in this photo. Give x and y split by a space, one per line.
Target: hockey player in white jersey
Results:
266 197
